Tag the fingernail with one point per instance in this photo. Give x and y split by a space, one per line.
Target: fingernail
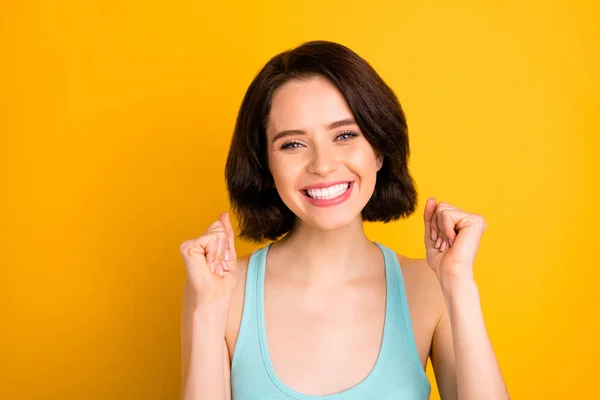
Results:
227 255
433 235
225 266
438 242
443 246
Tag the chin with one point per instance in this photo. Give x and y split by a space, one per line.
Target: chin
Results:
332 226
328 219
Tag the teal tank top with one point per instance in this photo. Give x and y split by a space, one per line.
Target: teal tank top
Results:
397 373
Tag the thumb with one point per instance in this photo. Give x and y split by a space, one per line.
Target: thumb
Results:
428 214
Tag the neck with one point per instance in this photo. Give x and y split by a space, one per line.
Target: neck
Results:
327 257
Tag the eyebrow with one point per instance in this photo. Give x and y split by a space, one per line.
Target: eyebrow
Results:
333 125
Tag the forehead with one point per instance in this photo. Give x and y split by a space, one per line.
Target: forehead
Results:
306 104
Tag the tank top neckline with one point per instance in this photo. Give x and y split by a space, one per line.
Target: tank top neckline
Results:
383 348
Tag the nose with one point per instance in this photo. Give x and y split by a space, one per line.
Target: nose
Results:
323 161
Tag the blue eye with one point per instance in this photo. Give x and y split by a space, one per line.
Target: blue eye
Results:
346 135
294 144
290 145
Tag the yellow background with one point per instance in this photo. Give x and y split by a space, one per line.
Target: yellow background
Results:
115 122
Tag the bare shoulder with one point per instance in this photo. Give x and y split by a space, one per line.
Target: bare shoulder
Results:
416 272
422 286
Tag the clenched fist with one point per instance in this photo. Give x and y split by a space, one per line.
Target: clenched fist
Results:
210 262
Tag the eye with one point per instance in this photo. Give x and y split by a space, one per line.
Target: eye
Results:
293 144
346 135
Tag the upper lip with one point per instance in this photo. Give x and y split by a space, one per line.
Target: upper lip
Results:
323 185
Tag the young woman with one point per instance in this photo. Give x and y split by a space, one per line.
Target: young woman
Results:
322 312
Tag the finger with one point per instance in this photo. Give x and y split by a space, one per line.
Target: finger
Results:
195 250
428 217
230 266
209 243
215 227
219 267
447 220
224 251
436 235
468 223
226 220
222 241
224 266
203 241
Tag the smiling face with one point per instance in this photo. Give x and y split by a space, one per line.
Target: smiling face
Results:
323 166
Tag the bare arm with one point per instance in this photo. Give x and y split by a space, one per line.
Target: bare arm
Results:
464 362
210 263
462 353
205 359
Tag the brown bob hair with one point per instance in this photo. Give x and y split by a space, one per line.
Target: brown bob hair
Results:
261 213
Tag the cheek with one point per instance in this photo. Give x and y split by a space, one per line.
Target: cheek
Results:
284 171
363 160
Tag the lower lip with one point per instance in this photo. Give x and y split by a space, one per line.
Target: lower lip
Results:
330 202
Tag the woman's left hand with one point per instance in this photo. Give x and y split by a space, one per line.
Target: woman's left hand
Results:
451 238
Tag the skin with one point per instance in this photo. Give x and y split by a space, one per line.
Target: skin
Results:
330 276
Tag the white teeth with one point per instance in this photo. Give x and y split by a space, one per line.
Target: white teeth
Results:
328 193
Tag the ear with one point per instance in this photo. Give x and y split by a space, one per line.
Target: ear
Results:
379 161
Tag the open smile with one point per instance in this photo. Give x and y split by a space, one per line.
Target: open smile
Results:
330 195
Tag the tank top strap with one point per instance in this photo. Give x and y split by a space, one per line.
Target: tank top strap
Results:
250 324
399 312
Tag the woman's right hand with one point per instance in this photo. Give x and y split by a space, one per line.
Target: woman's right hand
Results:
211 262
